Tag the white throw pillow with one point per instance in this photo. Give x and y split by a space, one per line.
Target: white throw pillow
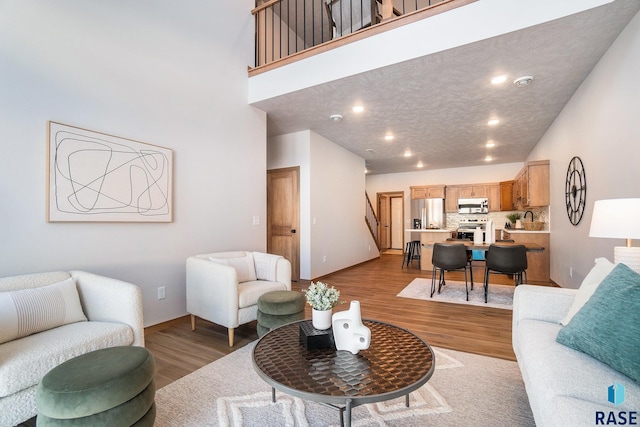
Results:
590 283
244 266
266 266
28 311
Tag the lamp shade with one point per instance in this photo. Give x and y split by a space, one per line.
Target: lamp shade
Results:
616 219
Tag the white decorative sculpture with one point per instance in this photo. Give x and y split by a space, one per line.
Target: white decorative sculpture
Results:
348 331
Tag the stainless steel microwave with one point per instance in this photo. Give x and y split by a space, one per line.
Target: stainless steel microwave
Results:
473 206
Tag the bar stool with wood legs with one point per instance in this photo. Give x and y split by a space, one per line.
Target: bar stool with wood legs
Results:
505 259
448 257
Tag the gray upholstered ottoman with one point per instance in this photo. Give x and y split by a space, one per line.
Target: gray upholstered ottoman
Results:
109 387
278 308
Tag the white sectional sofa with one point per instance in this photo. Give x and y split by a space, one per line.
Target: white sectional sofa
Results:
565 387
113 312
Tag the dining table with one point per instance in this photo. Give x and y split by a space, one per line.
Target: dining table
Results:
471 246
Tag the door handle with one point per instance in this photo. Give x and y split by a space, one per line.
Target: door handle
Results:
293 231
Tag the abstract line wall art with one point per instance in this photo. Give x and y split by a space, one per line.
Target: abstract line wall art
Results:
97 177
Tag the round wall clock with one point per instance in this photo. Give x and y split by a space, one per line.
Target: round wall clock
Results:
575 190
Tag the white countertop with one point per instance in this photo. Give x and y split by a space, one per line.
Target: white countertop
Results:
441 230
516 231
428 230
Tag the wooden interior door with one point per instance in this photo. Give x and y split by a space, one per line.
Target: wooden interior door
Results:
397 219
283 216
390 219
384 217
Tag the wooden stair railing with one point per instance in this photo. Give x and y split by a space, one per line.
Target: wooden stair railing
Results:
372 221
288 30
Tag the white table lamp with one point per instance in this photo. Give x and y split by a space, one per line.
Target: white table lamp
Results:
619 219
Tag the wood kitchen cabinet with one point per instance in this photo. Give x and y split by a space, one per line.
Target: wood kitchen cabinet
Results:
506 196
538 263
538 184
470 191
455 192
428 192
493 194
451 200
531 185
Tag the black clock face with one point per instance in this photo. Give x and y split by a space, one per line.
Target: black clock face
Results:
575 190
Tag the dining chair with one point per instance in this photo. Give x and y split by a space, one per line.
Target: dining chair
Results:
448 257
505 259
469 257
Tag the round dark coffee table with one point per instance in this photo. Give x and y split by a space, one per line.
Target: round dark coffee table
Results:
396 363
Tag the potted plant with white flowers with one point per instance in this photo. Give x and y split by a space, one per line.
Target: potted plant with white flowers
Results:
322 298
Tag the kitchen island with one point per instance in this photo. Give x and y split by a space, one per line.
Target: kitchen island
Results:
539 263
429 235
538 260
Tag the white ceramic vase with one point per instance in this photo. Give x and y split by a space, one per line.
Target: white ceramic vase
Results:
321 319
348 331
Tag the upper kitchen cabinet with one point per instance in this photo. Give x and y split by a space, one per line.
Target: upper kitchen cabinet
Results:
493 194
506 196
428 192
531 186
471 191
451 200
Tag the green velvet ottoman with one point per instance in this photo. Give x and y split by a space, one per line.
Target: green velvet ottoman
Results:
109 387
278 308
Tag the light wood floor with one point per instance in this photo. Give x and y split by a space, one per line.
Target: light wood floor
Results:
482 330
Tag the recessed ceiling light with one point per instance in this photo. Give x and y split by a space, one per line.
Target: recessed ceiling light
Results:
407 153
335 117
420 165
523 81
488 159
493 122
499 79
388 137
490 144
358 108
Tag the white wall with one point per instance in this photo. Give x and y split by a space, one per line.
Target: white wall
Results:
291 150
333 234
481 20
339 234
453 176
600 125
158 72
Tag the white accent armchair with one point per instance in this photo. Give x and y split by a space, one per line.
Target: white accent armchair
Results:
224 287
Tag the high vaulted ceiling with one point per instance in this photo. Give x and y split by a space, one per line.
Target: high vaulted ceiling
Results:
437 106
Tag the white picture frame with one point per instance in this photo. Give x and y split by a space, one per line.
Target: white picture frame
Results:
96 177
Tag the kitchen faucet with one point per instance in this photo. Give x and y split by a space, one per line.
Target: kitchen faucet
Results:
525 215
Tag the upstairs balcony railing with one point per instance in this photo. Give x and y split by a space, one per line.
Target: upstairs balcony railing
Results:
285 28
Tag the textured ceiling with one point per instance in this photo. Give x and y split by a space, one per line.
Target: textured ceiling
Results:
438 105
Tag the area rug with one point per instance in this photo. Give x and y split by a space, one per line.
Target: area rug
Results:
500 296
465 389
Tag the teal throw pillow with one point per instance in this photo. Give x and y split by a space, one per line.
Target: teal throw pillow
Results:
607 327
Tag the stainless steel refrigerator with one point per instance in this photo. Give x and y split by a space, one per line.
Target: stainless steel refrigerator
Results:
428 213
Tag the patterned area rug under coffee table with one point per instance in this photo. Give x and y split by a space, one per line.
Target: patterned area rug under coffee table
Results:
499 296
465 389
